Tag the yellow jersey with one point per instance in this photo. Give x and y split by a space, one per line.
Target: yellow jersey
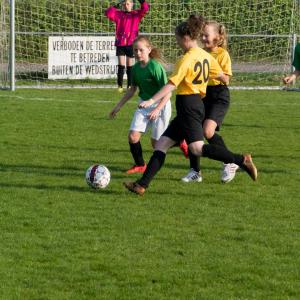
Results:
223 58
193 70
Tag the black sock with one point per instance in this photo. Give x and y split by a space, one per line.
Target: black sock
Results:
121 70
194 161
154 165
129 75
219 153
137 153
217 140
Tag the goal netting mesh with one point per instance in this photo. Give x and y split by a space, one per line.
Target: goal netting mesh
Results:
261 34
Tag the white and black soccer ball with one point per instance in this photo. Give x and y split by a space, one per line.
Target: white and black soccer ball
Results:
97 176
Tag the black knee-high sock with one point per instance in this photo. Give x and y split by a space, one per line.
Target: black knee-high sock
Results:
217 140
217 152
154 165
121 70
194 161
137 153
129 75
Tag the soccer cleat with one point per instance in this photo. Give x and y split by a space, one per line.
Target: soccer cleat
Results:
184 148
249 166
120 90
228 172
134 188
192 176
137 169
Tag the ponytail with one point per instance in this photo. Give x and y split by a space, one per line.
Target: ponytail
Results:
221 31
192 27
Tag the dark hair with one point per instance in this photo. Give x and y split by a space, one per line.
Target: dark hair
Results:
192 27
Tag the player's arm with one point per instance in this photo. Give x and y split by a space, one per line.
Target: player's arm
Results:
129 94
155 112
165 91
223 78
174 80
161 79
113 12
144 8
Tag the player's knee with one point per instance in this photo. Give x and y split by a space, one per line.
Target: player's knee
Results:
196 149
133 137
208 132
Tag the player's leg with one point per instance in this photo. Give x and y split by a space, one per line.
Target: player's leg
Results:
183 146
166 141
216 107
136 152
194 174
193 132
219 153
155 163
138 126
121 68
228 170
129 64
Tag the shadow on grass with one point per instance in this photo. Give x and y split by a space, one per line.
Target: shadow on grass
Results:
40 146
254 126
65 171
42 170
72 188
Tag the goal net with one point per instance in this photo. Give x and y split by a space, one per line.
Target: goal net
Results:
262 34
4 45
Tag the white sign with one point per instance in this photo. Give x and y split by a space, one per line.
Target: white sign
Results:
81 57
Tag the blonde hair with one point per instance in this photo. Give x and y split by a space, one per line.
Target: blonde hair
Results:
155 52
221 31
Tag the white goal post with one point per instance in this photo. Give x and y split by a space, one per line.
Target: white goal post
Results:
262 36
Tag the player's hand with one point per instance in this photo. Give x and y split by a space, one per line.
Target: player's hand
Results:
154 114
113 113
289 79
145 104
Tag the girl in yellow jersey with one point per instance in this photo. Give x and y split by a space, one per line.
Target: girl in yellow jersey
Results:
216 101
190 79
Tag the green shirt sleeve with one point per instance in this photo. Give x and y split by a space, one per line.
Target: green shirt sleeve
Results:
296 62
160 75
133 76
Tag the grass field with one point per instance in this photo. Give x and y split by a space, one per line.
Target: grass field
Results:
62 240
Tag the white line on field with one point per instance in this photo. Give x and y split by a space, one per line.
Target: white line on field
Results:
14 97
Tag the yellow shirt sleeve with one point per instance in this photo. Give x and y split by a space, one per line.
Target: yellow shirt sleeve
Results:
225 63
214 68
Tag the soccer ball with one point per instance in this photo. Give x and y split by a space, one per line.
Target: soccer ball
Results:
97 176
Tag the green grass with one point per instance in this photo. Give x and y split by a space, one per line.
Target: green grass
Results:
62 240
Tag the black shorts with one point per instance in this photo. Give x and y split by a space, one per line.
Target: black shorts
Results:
125 51
188 122
216 103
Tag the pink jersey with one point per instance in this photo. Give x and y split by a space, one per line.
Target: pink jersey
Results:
127 23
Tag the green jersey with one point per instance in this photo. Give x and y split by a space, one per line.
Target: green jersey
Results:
149 79
296 62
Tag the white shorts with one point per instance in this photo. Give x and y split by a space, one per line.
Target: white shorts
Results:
141 121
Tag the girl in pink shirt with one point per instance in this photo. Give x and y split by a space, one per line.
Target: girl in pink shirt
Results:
127 29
